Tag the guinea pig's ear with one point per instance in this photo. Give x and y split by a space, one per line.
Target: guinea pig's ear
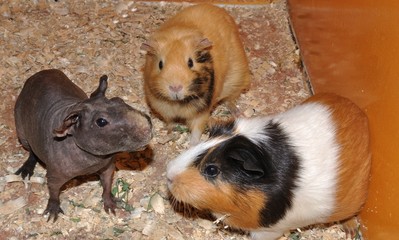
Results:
102 87
66 127
150 47
250 162
204 43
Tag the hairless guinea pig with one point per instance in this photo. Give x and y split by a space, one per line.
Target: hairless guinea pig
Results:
271 174
74 135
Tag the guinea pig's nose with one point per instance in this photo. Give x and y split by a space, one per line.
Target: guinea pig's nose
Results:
169 179
169 182
175 89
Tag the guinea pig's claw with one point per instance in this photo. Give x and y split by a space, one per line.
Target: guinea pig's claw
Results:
53 212
108 210
28 167
24 173
351 228
113 212
110 205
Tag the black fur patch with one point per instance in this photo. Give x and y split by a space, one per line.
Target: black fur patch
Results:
199 158
226 129
203 85
287 165
189 99
198 84
271 167
202 88
209 94
178 120
203 57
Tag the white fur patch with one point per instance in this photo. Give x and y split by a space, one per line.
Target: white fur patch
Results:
253 128
185 159
265 235
311 132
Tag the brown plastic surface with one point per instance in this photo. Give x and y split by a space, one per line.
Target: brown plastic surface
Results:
351 48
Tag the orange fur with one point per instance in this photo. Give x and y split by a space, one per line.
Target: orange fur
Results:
243 207
176 41
355 157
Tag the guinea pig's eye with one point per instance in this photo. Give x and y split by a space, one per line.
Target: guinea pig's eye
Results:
101 122
211 171
190 63
160 65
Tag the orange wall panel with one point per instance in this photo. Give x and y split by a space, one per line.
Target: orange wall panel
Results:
351 48
217 1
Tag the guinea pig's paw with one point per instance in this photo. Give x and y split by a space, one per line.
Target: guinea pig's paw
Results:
351 228
26 170
109 205
195 137
234 109
53 208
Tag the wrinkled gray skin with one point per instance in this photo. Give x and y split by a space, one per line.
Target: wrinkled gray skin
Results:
75 135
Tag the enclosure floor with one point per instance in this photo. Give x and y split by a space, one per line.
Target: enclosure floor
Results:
89 38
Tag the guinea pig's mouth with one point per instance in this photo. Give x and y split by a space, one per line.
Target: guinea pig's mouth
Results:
169 184
187 209
184 99
177 98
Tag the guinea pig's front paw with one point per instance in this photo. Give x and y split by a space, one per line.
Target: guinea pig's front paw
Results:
53 208
109 205
24 172
195 138
27 168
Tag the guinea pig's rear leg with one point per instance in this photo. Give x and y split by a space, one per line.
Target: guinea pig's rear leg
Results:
106 181
27 168
197 126
53 206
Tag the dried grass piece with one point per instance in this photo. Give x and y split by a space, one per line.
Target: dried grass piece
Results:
12 206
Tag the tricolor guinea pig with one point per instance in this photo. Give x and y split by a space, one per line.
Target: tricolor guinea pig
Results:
271 174
194 61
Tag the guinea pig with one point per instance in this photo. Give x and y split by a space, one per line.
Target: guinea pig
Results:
195 61
74 135
271 174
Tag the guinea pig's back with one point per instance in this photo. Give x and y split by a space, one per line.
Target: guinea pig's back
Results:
330 135
43 94
352 136
229 58
212 21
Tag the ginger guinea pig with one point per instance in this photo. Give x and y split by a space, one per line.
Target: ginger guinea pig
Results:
194 61
271 174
